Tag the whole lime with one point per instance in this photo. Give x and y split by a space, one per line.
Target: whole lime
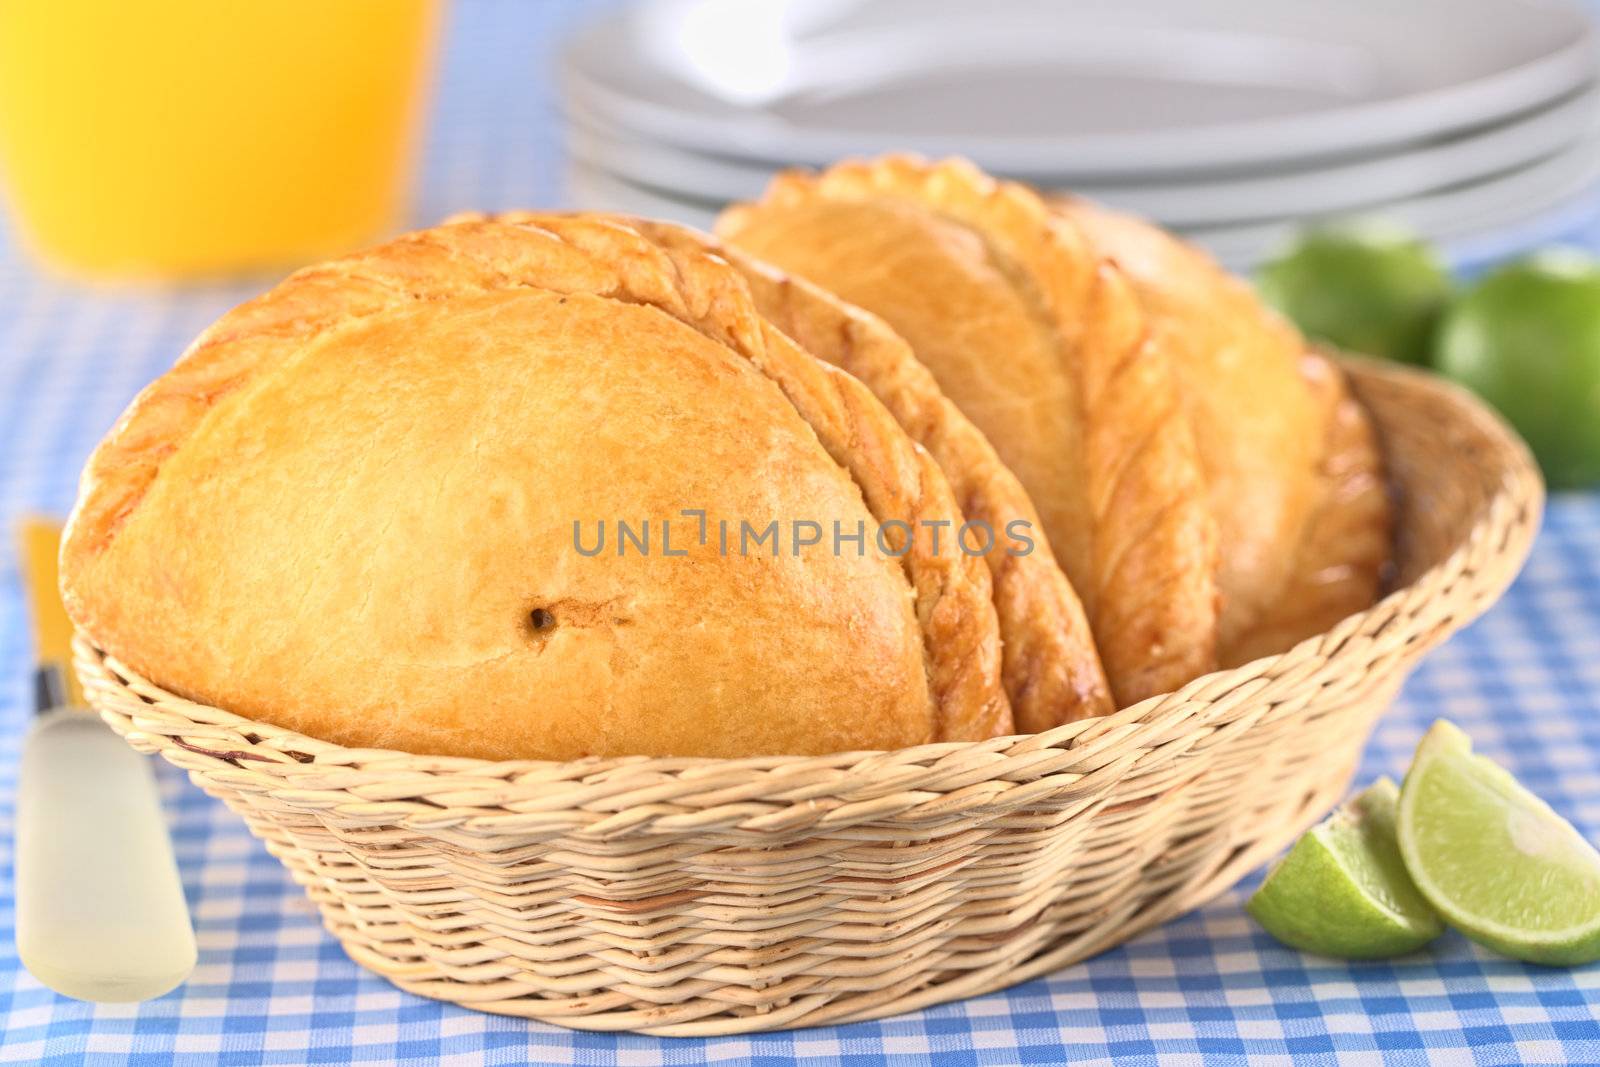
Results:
1367 287
1527 339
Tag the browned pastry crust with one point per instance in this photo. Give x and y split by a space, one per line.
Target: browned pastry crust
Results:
335 512
1052 669
1338 566
1293 475
1256 423
1043 346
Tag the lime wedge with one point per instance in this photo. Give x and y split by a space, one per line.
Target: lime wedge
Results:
1342 890
1494 859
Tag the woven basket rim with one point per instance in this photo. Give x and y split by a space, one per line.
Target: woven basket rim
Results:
1517 501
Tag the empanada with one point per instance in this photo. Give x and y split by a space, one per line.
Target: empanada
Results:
1042 344
1290 460
355 508
1052 669
1338 566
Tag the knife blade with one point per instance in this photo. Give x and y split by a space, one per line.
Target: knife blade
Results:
101 913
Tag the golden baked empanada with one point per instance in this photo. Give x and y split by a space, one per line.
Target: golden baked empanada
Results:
1042 344
1297 555
355 508
1337 567
1052 669
1257 426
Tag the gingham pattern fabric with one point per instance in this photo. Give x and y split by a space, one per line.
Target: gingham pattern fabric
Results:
272 988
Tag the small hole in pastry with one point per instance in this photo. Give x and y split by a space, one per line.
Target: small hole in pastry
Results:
541 620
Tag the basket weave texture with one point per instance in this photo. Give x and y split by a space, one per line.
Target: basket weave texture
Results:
703 897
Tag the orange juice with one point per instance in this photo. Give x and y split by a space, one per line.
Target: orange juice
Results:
182 137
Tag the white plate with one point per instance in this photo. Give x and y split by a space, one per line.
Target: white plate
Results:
1087 88
1451 217
1337 186
1356 186
1454 218
592 189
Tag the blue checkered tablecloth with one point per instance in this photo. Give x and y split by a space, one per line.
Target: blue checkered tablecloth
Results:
272 988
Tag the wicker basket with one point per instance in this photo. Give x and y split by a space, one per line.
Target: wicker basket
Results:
703 897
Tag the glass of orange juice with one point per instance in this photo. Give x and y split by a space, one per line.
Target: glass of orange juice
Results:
173 138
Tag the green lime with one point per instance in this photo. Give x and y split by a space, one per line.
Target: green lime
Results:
1494 859
1366 287
1527 339
1343 890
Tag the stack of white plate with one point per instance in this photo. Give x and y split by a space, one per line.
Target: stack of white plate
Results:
1233 120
